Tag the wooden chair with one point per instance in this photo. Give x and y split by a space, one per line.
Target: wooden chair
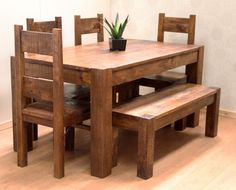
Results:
43 26
50 107
78 92
88 26
176 25
149 113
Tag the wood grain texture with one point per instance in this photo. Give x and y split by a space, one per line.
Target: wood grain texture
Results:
152 112
88 26
156 105
50 109
43 26
194 75
212 116
138 52
13 98
101 123
82 61
32 70
20 101
146 136
177 25
208 163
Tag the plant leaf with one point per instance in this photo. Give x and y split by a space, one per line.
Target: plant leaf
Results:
111 28
124 25
116 30
117 20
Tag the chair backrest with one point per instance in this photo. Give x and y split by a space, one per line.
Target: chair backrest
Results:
39 88
179 25
44 26
88 26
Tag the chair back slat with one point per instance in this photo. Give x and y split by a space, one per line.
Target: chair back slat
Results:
88 26
39 89
178 25
37 42
31 86
36 71
44 26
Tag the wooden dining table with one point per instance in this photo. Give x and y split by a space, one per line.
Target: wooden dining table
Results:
99 68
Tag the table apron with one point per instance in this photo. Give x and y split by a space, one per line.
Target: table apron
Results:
153 67
70 75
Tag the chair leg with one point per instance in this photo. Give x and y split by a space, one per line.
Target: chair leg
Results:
115 146
180 125
212 117
58 150
35 132
22 144
146 138
70 139
29 128
14 130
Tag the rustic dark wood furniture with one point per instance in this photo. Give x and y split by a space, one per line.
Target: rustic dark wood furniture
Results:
43 26
149 113
174 25
123 92
50 107
95 66
167 78
70 90
88 26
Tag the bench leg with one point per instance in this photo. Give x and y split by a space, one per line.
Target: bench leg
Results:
70 139
115 146
193 119
146 137
180 125
212 117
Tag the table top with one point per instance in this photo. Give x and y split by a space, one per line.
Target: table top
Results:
98 55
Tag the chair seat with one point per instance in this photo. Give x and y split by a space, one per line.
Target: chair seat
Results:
73 91
75 111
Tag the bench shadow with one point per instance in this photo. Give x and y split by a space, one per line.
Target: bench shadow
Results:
167 140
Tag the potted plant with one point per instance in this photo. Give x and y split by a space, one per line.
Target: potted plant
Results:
116 42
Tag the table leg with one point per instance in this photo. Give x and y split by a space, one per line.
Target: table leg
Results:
101 123
194 75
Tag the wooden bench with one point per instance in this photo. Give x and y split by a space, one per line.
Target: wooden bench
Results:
147 114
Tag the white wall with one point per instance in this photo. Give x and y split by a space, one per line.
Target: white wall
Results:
215 28
216 21
15 12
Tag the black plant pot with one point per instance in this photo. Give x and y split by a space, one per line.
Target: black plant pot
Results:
117 44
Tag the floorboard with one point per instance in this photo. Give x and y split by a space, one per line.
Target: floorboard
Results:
183 161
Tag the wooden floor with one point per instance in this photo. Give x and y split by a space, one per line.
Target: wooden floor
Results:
183 161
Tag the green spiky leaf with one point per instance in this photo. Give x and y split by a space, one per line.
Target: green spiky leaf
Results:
116 29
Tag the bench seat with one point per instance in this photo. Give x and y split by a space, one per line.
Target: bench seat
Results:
148 113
